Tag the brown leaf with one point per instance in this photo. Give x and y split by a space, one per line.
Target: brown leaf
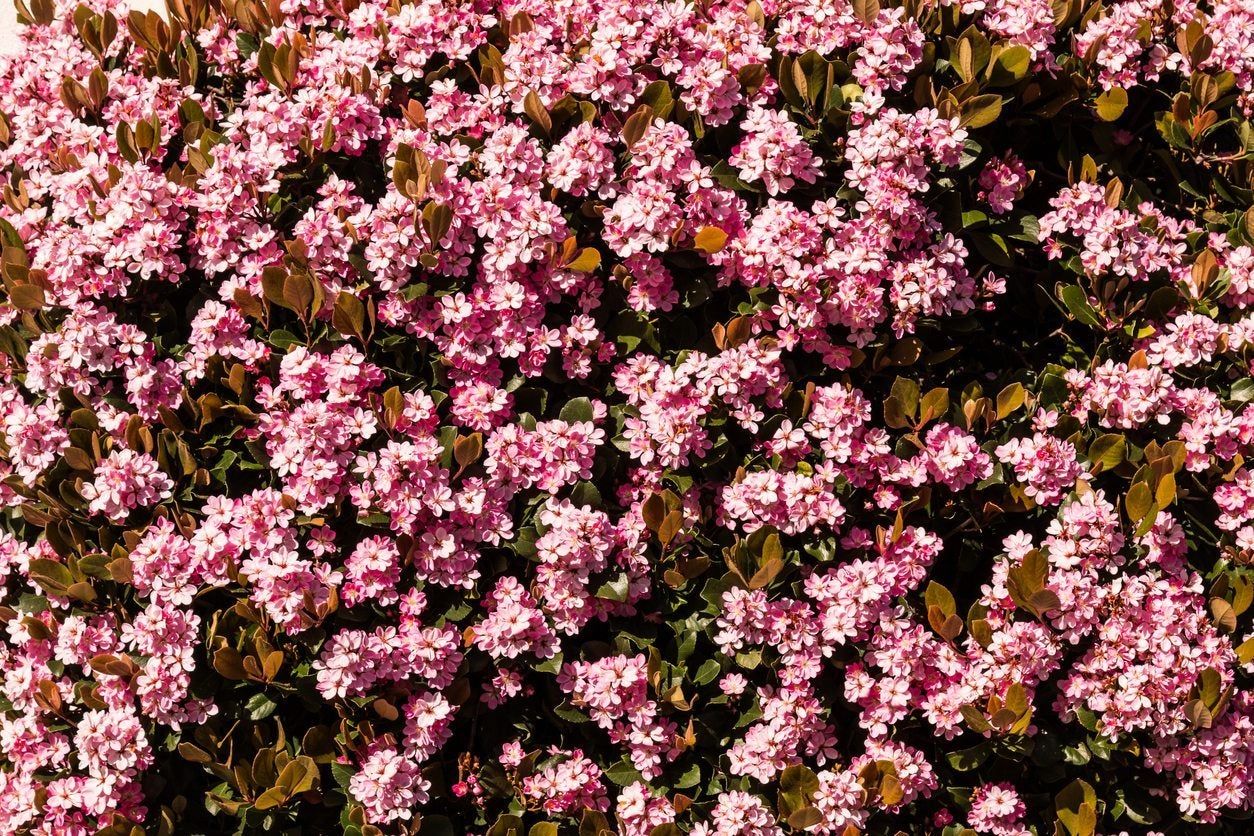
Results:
48 697
670 527
1044 600
349 315
273 279
1198 714
193 753
107 663
228 662
1010 399
891 793
436 220
588 260
804 818
298 292
947 627
300 775
653 512
1225 615
719 334
81 591
866 10
79 459
385 709
738 332
272 664
636 125
536 112
710 239
767 573
27 297
466 450
273 797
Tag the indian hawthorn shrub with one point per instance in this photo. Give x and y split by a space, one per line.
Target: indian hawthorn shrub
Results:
641 417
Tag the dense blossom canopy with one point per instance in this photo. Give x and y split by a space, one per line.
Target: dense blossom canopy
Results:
643 417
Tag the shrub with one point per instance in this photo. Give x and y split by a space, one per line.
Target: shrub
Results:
537 417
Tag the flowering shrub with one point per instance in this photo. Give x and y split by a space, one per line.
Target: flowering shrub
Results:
645 418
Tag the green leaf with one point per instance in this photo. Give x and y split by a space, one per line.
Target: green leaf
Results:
906 392
570 714
978 111
630 330
623 773
992 247
284 339
260 707
9 235
973 218
1242 391
658 96
965 760
1138 805
975 719
342 774
1053 389
708 672
934 404
797 786
1077 808
1138 501
1111 104
1011 65
592 823
690 777
586 493
615 589
52 576
937 595
1108 450
575 410
1078 304
507 825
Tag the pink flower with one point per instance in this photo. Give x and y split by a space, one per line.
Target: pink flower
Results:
1002 182
126 480
773 152
567 783
997 809
389 786
741 814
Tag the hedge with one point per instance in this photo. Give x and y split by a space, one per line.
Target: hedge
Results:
644 418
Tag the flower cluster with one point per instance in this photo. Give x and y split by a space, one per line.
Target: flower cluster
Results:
654 418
